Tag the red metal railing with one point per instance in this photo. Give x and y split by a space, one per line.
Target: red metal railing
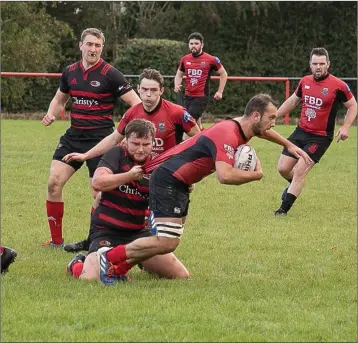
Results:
232 78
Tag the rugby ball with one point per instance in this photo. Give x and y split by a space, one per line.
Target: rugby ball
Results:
245 158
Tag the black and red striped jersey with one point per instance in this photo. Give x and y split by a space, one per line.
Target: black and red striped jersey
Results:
170 120
195 158
122 208
320 101
94 93
197 70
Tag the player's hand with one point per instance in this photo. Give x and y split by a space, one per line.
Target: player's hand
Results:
218 96
74 156
342 134
297 152
177 88
48 119
136 173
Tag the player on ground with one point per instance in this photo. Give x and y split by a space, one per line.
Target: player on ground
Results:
188 163
94 87
170 120
197 67
120 216
7 257
320 95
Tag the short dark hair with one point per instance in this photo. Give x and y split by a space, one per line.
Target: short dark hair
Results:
319 52
152 74
259 103
141 128
94 32
196 35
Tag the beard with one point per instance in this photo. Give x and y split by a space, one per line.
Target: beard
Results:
256 129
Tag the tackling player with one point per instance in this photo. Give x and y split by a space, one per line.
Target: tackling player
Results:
120 216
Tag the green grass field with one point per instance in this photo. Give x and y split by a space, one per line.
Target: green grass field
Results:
255 277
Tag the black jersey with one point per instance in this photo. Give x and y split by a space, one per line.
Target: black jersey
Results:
123 208
94 93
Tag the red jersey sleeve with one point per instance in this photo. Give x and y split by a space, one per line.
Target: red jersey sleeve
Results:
124 121
216 63
344 93
298 90
181 66
184 119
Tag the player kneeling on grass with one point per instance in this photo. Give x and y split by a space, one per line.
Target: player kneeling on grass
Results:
188 163
120 217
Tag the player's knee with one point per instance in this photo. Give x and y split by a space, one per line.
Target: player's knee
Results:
167 245
54 185
283 170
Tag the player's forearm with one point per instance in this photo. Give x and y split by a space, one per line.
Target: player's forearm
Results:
55 107
286 107
236 176
103 146
350 116
222 82
178 80
108 182
275 137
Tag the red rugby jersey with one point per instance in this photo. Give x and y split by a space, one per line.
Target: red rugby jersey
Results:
170 121
320 101
195 158
197 70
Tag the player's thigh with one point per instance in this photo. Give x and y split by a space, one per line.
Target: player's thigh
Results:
60 173
166 266
90 268
286 163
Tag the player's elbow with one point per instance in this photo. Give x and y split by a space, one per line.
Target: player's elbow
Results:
223 177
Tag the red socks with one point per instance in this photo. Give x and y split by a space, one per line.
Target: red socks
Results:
117 254
1 249
122 268
77 269
54 215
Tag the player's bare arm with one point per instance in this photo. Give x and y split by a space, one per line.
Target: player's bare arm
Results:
288 105
193 131
343 132
56 106
275 137
103 146
222 82
229 175
178 81
104 180
131 98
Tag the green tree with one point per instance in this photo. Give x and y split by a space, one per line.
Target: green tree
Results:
30 42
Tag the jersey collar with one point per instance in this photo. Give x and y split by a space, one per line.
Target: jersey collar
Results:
155 109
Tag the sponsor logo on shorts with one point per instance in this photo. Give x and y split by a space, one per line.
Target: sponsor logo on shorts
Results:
104 243
313 148
177 210
95 83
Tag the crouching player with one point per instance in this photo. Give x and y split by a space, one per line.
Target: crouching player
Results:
120 217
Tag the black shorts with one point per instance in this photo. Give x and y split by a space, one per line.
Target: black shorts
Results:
314 145
168 197
99 238
195 105
80 141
